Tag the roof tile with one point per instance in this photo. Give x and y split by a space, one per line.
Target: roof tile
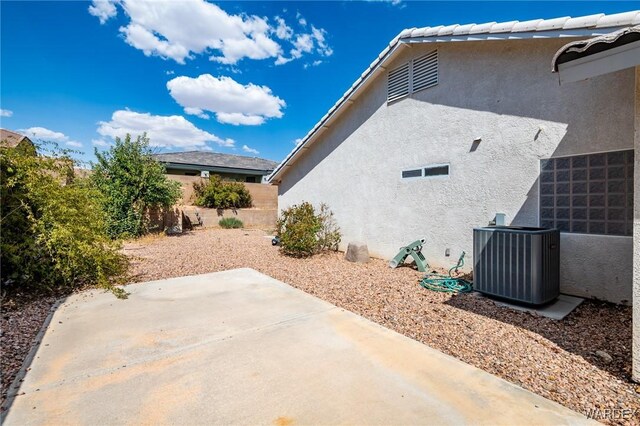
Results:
448 30
624 18
582 21
552 24
463 29
503 27
482 28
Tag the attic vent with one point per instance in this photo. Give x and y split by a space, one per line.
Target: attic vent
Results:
425 71
398 83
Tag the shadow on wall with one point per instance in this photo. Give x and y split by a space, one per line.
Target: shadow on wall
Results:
351 120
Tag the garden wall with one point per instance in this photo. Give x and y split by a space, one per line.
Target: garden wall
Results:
251 218
263 196
263 213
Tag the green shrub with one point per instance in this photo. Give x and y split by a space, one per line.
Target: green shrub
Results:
54 231
303 233
219 194
132 183
329 236
230 223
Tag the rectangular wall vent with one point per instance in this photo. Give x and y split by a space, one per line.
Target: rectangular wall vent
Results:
425 71
398 83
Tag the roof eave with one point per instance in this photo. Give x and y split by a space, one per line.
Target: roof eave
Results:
222 169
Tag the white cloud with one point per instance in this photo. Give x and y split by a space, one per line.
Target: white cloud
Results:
230 101
6 113
103 10
179 30
301 19
170 72
197 112
245 148
283 31
392 2
46 135
306 43
297 141
100 142
163 131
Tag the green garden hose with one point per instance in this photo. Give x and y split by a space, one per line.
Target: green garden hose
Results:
447 283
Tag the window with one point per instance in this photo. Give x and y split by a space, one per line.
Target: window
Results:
427 171
411 173
436 170
413 76
250 179
588 194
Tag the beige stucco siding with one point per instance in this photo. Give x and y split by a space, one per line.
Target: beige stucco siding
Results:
502 92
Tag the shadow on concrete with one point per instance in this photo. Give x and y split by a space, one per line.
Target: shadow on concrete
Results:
14 388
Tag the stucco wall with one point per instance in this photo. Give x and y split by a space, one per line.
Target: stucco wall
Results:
636 239
503 92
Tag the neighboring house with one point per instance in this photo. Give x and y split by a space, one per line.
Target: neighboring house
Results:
10 139
450 125
228 166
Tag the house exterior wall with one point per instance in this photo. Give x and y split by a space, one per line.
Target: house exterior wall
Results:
636 238
502 92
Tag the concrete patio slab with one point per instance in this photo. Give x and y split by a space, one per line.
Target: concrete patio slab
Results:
557 310
238 347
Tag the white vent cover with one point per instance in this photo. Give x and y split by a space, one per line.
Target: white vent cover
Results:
425 71
398 83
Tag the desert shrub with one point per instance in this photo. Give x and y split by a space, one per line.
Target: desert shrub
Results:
303 232
132 183
329 235
219 194
230 223
54 231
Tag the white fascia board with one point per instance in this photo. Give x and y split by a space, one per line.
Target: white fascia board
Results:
607 61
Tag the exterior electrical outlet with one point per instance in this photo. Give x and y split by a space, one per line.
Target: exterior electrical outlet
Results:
517 263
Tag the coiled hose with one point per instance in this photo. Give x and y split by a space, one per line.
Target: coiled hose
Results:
447 283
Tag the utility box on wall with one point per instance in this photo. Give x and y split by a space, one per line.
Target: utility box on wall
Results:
517 263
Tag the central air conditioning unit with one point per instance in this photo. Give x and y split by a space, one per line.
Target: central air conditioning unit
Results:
517 263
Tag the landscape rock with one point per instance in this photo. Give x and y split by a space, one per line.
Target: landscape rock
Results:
605 357
357 252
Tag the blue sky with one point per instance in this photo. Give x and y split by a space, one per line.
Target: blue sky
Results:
237 77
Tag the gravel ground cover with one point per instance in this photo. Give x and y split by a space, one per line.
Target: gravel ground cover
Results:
555 359
19 324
